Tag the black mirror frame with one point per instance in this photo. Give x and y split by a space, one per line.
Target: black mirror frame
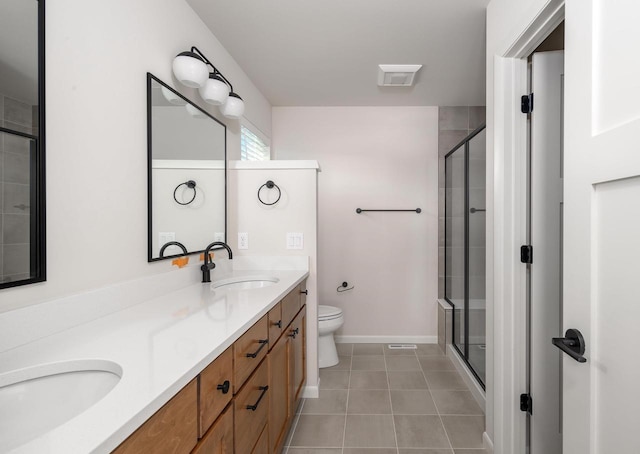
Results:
150 258
38 234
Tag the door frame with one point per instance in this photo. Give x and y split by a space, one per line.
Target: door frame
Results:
507 231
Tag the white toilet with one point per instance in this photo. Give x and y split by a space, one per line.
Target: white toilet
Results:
329 320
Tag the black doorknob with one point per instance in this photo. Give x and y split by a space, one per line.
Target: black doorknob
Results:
572 344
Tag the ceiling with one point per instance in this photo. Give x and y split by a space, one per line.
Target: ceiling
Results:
326 53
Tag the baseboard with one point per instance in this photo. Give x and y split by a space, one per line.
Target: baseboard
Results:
386 339
311 392
488 444
468 377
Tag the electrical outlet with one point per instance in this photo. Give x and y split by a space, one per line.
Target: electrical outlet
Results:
243 240
218 236
295 240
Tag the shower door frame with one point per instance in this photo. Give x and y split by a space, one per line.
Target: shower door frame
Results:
464 354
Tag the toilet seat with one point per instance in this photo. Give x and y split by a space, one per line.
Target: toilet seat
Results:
328 312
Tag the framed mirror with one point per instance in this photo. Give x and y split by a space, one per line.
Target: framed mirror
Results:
22 143
186 174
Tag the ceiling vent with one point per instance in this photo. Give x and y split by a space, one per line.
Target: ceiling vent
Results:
397 75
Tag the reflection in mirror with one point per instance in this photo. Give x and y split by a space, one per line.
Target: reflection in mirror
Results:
187 173
22 230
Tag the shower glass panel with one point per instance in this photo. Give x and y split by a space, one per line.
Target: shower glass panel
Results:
465 226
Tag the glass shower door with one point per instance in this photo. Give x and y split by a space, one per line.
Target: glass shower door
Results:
465 226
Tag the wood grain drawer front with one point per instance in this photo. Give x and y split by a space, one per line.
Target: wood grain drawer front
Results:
251 410
171 430
297 365
262 446
248 351
219 439
303 293
290 306
275 324
216 389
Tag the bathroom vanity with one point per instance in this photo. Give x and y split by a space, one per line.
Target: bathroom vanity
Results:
220 364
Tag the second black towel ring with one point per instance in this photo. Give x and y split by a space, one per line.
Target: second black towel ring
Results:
270 185
191 185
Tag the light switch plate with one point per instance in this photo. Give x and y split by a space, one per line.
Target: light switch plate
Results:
243 240
295 240
165 237
218 236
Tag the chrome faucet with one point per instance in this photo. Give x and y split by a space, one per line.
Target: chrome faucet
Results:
208 266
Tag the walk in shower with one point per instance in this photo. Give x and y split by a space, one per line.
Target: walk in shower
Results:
465 269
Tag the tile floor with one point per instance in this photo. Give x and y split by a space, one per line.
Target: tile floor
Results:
382 401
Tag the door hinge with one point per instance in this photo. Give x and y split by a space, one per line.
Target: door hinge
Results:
526 253
526 104
526 403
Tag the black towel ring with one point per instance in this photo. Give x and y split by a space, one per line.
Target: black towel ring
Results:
343 287
191 185
270 185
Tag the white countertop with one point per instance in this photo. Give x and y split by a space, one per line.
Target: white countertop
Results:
161 344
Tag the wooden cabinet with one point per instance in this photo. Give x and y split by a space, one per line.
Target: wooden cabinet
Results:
215 390
219 439
275 324
251 410
244 402
172 430
278 361
249 350
297 359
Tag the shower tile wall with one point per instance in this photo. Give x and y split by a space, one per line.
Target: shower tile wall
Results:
454 124
14 189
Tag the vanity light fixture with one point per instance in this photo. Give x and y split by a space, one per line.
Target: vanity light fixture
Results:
214 88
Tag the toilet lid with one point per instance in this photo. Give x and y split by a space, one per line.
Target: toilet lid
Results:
328 312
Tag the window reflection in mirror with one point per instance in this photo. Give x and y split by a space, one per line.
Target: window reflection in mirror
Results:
187 173
22 255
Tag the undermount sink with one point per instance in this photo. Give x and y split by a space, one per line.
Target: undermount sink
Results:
35 400
244 283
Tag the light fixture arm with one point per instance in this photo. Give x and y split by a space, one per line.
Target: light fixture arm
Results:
216 72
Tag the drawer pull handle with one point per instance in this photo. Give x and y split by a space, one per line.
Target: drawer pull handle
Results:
224 387
294 332
262 342
254 407
278 324
306 292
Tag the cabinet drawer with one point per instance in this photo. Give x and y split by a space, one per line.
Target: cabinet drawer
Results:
219 439
215 389
290 306
173 429
251 408
275 324
248 351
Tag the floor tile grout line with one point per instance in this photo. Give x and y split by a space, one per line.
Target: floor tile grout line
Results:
346 409
434 403
393 419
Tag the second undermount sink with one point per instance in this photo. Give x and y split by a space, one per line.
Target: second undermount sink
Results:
38 399
244 282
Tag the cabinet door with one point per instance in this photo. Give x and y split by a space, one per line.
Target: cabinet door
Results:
279 394
172 430
215 389
297 358
275 324
262 446
219 439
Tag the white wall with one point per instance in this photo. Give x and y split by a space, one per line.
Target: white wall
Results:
372 157
98 54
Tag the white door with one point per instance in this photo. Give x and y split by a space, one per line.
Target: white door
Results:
546 204
602 226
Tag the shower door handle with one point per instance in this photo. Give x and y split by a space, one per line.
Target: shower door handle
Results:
572 344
